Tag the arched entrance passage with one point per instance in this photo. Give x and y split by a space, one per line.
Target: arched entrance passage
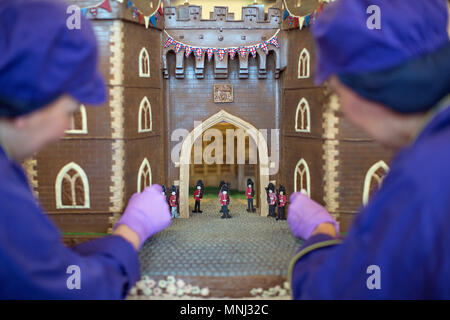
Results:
185 157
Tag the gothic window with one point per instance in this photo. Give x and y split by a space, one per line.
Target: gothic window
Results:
79 122
144 176
374 179
302 178
302 117
72 188
303 64
144 64
145 116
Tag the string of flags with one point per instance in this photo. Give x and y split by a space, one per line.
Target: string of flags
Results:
137 14
221 52
93 10
143 19
300 21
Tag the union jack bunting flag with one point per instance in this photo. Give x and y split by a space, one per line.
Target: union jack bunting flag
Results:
178 47
210 53
274 41
221 54
243 51
169 42
232 52
264 48
198 53
253 51
187 51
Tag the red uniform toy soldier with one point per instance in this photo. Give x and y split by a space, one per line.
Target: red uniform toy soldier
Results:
220 192
173 202
282 200
271 199
198 195
224 201
250 193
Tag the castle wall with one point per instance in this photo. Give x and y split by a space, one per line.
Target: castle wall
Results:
301 145
191 99
112 150
356 156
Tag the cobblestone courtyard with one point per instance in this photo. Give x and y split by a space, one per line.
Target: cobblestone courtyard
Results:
208 247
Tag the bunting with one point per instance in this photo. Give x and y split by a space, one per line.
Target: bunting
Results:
303 21
252 50
198 53
145 19
187 51
264 47
136 13
221 53
93 10
178 46
210 53
232 52
243 50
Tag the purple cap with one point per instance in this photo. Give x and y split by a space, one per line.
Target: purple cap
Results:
345 44
41 58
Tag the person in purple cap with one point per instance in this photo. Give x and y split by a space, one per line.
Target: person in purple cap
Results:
46 72
394 83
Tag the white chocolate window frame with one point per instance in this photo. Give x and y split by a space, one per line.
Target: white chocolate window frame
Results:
307 116
308 177
371 174
142 109
58 186
143 53
307 62
83 129
144 164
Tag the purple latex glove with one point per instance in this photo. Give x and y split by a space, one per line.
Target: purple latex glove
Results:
304 215
147 213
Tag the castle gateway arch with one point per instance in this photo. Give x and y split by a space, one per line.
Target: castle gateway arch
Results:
252 132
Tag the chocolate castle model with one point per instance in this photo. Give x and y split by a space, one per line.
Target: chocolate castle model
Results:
155 89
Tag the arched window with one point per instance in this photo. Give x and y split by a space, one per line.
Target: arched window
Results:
374 179
303 64
145 116
302 178
144 176
144 64
302 117
79 122
72 188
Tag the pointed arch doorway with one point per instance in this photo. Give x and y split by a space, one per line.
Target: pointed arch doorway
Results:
252 132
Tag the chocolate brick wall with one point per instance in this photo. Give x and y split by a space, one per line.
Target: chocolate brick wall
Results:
190 99
298 145
94 151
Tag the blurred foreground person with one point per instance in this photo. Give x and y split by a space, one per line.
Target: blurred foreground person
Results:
46 72
394 83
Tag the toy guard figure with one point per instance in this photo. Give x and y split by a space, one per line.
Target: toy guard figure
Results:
225 201
282 199
250 193
271 199
173 202
198 195
220 192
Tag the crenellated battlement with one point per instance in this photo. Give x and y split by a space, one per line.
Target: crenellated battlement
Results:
184 24
189 16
